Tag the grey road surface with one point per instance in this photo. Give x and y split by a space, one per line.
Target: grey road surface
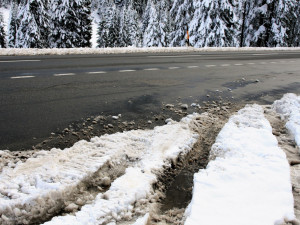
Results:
43 94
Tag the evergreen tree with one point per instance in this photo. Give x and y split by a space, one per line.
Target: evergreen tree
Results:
106 13
158 25
71 23
13 25
33 29
2 33
214 24
181 14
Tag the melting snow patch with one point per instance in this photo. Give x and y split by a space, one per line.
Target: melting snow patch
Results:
247 180
42 186
289 109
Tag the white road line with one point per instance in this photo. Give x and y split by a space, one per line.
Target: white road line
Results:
172 56
225 65
210 65
251 63
22 77
63 74
192 67
15 61
96 72
124 71
267 54
292 61
238 64
273 62
173 68
151 69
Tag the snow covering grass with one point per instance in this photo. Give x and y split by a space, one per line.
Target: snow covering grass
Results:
248 179
126 50
41 186
289 109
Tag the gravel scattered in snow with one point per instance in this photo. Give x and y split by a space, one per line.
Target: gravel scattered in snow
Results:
289 109
248 179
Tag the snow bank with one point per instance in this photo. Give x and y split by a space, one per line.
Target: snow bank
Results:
289 109
79 51
163 145
40 187
248 179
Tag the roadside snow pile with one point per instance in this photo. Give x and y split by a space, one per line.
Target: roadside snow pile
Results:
126 50
248 179
41 187
289 109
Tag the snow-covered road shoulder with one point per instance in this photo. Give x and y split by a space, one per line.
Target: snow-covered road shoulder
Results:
53 181
247 180
289 109
128 50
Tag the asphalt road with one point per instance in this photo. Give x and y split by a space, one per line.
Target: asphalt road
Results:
44 94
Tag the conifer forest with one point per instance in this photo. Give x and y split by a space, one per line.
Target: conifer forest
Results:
151 23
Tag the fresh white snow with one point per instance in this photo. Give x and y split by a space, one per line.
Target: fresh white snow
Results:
127 50
247 180
289 109
43 183
5 12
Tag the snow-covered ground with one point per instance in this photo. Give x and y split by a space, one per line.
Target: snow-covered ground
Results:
248 178
126 50
289 109
43 184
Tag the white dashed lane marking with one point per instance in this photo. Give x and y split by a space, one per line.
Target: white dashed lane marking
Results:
63 74
238 64
15 61
22 77
192 67
96 72
151 69
251 63
125 71
173 68
225 65
210 65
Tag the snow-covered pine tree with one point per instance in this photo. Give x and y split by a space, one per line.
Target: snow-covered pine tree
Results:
71 23
181 14
2 33
296 32
33 30
113 34
282 23
158 25
214 24
151 34
13 25
84 16
106 14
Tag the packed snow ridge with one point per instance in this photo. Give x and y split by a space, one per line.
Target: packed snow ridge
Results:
247 180
41 187
127 50
289 109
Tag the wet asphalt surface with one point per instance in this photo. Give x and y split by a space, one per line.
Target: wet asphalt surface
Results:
54 101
